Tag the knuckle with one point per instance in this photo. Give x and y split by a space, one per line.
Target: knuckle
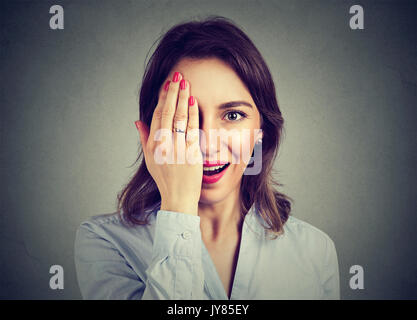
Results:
166 113
173 87
183 94
180 116
157 113
193 111
183 100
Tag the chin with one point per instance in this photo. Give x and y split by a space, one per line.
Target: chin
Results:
213 193
210 196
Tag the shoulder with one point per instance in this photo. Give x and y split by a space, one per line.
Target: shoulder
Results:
304 230
101 224
112 228
102 221
112 220
307 238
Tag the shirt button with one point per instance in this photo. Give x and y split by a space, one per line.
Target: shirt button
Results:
186 235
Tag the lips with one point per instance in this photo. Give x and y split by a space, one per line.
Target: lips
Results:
212 178
214 163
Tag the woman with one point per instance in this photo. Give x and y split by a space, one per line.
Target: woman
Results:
212 226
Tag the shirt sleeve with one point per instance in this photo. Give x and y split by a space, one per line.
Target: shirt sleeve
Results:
330 277
174 272
102 272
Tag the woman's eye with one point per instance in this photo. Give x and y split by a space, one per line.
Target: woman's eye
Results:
235 116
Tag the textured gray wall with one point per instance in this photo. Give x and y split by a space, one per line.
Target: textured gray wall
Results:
69 99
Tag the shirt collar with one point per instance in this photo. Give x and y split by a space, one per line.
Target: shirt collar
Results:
254 223
252 220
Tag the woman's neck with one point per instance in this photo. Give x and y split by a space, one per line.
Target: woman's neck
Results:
221 220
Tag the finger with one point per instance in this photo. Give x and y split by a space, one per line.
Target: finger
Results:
193 120
180 121
170 105
193 133
181 113
157 113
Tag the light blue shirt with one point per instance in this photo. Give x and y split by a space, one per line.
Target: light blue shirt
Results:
168 260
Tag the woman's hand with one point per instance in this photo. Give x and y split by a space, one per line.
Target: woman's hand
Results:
179 181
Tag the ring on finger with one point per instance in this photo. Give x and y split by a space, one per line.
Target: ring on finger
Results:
178 130
179 126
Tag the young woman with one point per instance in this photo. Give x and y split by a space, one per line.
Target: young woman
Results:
212 226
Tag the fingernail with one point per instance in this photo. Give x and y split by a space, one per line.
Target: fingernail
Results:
166 87
137 124
191 101
176 77
183 84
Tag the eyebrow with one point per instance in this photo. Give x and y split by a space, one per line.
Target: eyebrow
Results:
232 104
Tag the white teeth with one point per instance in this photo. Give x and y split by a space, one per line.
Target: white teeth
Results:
213 168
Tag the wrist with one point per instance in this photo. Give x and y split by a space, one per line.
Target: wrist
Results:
180 206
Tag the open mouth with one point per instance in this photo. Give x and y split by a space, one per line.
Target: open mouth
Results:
211 171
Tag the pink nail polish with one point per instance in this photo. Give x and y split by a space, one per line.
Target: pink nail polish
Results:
137 124
191 101
183 84
176 77
166 87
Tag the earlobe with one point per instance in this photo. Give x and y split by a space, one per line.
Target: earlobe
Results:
259 137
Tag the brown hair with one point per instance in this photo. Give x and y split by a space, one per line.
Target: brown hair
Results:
220 38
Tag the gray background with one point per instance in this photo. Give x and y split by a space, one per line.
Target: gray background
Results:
69 100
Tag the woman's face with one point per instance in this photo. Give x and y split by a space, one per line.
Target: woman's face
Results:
229 132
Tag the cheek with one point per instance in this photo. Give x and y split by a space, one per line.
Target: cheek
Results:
240 147
246 149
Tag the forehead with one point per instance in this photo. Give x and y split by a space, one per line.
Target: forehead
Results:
212 81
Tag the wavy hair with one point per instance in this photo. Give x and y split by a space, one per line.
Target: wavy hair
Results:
213 37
